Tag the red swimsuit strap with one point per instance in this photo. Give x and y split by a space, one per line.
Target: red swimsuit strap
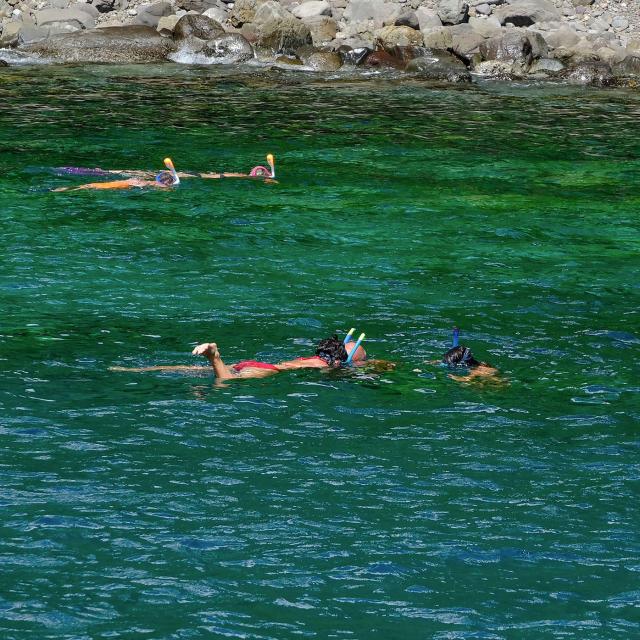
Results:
254 364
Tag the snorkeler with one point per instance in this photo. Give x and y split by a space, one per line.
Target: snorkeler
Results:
257 172
330 353
461 356
268 173
163 180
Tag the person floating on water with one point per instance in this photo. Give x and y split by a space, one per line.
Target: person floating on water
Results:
163 180
330 353
461 356
267 173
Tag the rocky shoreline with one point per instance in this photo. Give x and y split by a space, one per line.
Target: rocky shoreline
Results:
591 42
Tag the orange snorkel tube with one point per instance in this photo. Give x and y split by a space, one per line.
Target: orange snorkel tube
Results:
169 164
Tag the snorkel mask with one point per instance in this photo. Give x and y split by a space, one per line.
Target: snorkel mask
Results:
161 178
263 172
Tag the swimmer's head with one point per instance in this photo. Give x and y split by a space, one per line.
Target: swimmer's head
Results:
166 178
335 353
332 351
260 172
460 357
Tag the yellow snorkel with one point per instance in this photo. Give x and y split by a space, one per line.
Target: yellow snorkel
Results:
169 164
272 164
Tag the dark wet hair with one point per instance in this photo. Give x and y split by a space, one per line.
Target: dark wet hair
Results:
332 350
460 356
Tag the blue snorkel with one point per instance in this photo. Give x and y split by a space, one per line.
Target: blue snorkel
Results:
456 337
348 336
355 348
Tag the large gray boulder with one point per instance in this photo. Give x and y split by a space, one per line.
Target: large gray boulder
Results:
407 18
244 11
486 27
228 48
524 13
453 11
149 15
323 29
438 38
392 36
30 33
592 73
126 44
10 33
276 30
362 14
563 37
66 19
312 9
428 20
546 67
516 45
323 61
439 66
198 27
629 67
464 40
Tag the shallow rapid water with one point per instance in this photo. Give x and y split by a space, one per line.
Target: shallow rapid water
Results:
399 505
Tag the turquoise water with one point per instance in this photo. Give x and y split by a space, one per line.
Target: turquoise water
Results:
397 505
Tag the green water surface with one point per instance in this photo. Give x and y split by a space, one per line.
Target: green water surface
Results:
400 505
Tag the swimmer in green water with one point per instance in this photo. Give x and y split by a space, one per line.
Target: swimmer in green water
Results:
163 180
267 174
461 356
330 353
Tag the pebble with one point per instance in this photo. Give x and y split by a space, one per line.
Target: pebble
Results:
619 23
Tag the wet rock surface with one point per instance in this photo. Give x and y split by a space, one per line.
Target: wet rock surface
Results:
595 42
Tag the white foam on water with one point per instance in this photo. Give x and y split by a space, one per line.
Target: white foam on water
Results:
13 57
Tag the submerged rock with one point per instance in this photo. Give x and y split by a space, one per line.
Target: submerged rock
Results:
110 44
